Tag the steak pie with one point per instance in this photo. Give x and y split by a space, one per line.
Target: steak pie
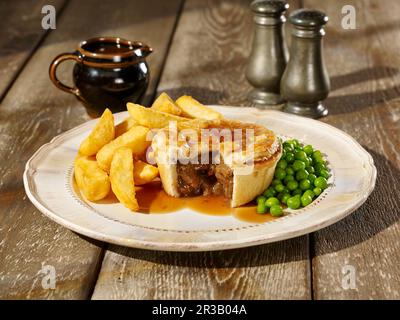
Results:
216 157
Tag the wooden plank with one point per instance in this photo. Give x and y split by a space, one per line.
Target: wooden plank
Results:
207 59
20 33
32 113
365 103
274 271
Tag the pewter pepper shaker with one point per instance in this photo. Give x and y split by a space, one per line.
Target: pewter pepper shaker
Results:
305 82
269 53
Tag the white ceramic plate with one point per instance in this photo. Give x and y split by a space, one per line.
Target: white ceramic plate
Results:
48 181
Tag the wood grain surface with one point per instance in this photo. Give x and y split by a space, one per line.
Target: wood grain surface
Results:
364 66
207 60
31 114
204 56
20 33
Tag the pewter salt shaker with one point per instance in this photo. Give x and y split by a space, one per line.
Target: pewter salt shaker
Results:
305 82
269 53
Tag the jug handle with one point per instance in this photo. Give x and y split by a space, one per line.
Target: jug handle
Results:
53 72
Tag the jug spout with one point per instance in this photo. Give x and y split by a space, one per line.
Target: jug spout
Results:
143 50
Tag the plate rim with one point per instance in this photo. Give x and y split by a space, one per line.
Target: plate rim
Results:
197 246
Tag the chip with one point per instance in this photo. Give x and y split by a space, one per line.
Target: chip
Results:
121 176
101 134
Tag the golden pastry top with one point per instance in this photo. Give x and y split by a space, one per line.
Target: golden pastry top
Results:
237 142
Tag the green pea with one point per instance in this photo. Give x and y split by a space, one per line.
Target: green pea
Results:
319 166
276 210
285 153
288 178
321 182
293 203
287 145
318 159
317 154
305 184
309 193
287 148
308 149
261 199
271 201
324 173
280 188
317 191
312 177
289 157
261 208
298 165
296 142
292 185
300 155
305 200
285 198
280 174
301 175
297 192
289 142
281 194
310 169
275 182
270 192
289 171
282 164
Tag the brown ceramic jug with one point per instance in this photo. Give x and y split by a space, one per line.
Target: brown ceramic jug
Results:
108 73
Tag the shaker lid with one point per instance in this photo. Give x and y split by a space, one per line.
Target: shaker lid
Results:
267 7
308 18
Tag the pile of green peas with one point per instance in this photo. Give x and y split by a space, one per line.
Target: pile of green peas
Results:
300 176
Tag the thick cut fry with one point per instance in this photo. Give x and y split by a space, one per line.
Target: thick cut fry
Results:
151 118
91 180
121 176
198 124
165 104
193 109
124 126
144 172
135 139
102 134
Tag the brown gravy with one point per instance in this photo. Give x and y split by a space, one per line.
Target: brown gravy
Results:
153 200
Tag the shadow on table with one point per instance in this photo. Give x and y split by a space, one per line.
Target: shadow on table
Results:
376 73
337 104
379 212
274 253
358 101
370 31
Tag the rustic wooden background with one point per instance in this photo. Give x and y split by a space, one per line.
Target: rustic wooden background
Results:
201 49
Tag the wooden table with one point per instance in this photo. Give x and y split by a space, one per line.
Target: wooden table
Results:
200 48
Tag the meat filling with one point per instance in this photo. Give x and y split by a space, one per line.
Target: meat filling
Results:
204 179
